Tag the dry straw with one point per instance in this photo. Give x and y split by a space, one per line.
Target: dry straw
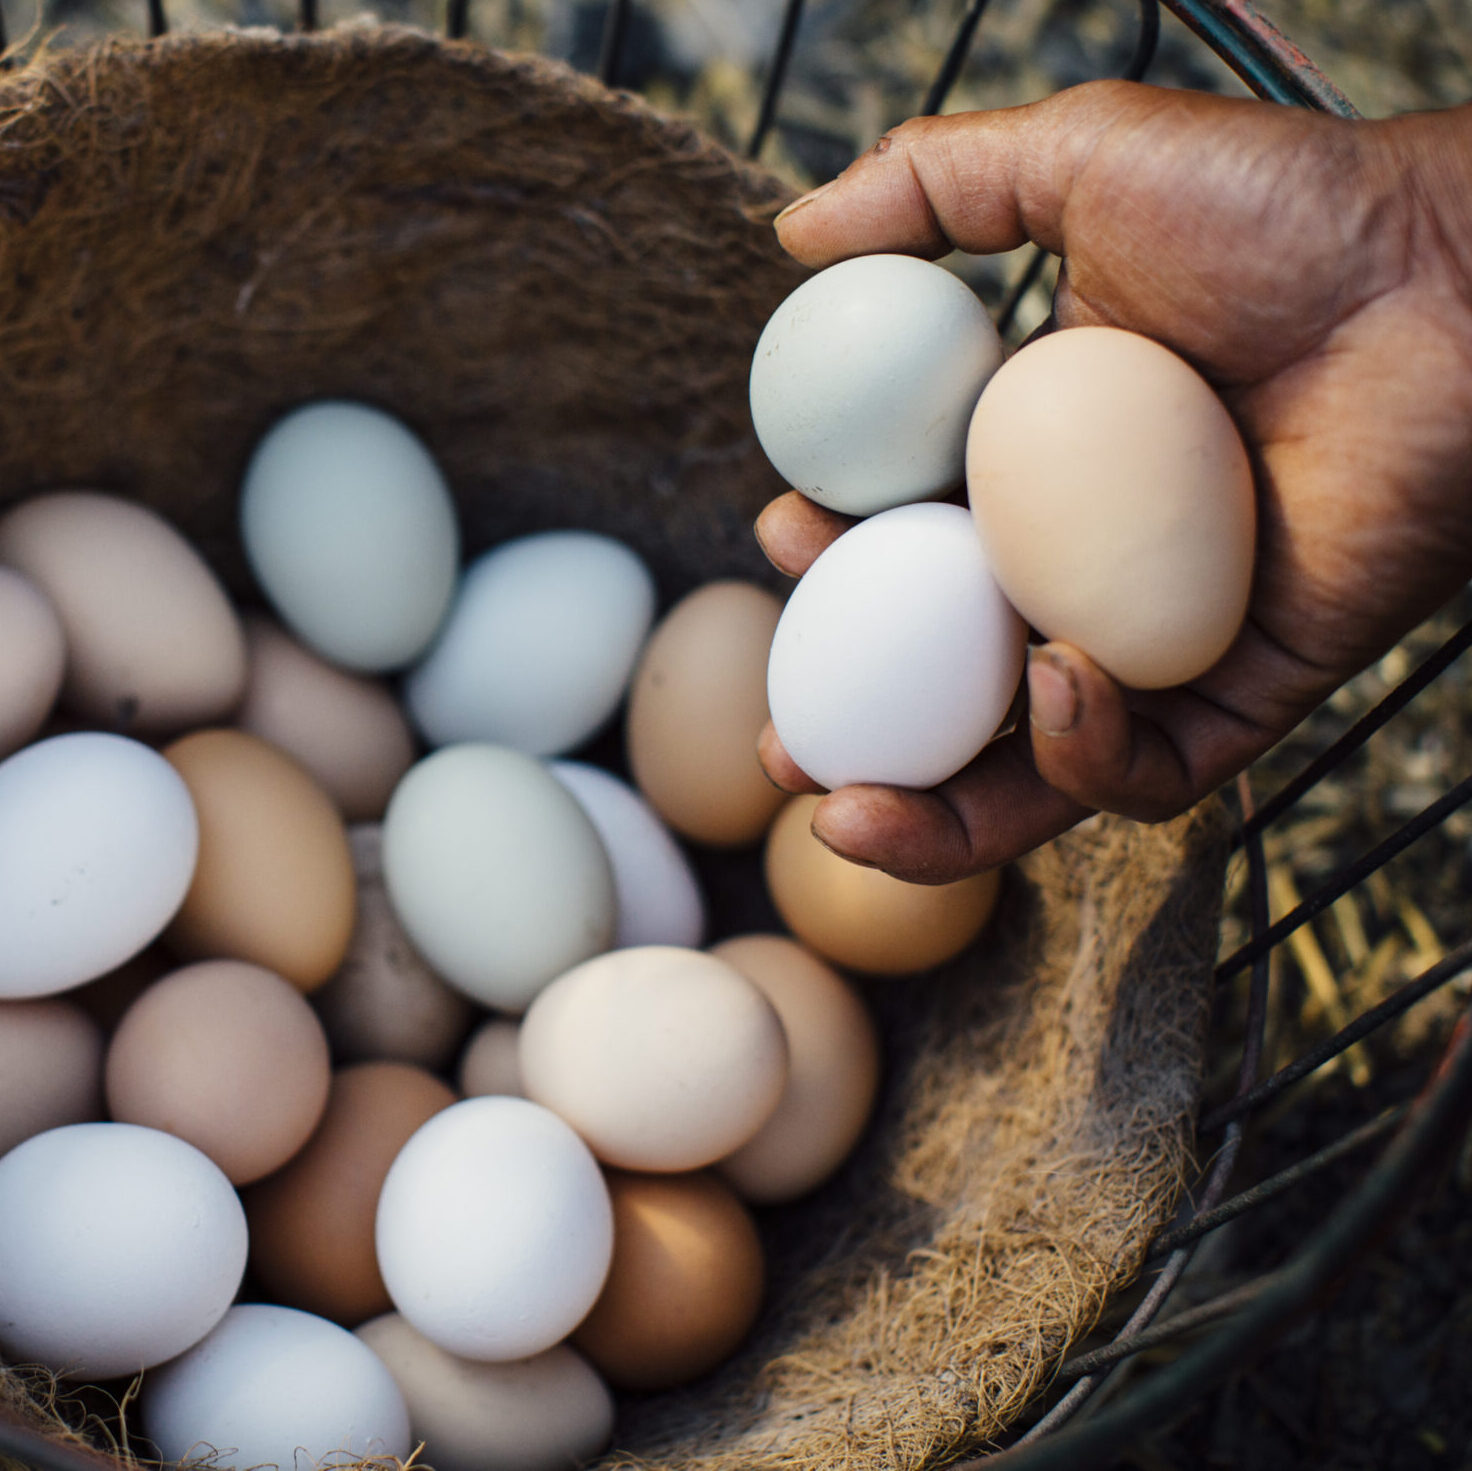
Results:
560 290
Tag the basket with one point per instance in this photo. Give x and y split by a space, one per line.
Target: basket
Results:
559 289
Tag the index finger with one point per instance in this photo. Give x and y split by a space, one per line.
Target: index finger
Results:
973 181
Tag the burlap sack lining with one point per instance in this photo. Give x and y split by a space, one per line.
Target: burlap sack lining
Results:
560 290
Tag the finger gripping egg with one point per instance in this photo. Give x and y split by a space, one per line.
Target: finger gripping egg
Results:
864 380
1113 497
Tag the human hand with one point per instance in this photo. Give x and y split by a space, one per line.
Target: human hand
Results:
1319 274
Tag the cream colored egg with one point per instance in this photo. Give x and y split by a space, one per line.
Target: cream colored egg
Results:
153 644
661 1058
550 1412
1113 497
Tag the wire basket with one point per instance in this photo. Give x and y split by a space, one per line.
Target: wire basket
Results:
1102 1400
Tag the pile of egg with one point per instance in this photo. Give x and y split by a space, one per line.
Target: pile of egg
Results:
1110 507
421 1046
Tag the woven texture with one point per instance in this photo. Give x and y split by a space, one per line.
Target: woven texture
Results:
560 291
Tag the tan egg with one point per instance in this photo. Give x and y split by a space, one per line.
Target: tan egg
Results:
153 645
685 1285
32 659
832 1072
274 881
384 1001
50 1068
490 1064
348 731
1113 496
550 1412
661 1058
696 707
311 1223
227 1056
862 918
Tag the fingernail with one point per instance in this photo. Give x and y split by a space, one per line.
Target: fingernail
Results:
1051 696
806 199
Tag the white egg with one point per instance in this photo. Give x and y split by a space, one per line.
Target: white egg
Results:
539 646
494 1229
864 380
495 872
550 1412
119 1247
275 1386
349 527
659 899
897 657
98 841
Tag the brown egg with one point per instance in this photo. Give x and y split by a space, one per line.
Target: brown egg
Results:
685 1285
274 881
348 731
50 1068
832 1072
384 1001
32 659
696 707
862 918
311 1224
490 1064
153 645
227 1056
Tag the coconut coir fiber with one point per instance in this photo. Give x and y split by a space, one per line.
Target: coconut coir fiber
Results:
560 291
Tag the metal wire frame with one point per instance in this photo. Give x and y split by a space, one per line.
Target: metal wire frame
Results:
1274 69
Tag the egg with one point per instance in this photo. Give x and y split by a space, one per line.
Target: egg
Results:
661 1058
350 529
274 883
1113 497
98 842
348 731
537 650
50 1068
550 1412
32 659
491 1062
864 380
153 645
658 896
311 1223
120 1247
832 1072
494 1230
383 1001
862 918
696 707
272 1386
685 1286
226 1055
495 872
897 657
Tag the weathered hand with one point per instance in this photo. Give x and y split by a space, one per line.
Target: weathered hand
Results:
1319 274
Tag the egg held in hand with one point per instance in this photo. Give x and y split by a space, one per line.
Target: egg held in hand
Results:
897 657
1113 497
